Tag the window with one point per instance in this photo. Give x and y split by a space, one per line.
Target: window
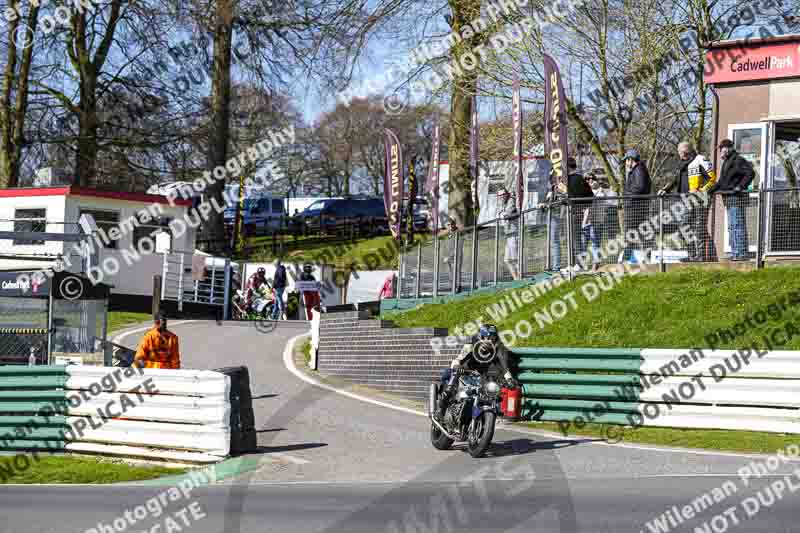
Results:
105 220
30 220
149 229
277 207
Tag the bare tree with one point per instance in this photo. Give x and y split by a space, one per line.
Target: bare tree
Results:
14 92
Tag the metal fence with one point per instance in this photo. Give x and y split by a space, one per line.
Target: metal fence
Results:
585 234
178 283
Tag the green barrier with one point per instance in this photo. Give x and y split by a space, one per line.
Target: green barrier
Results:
26 394
566 383
565 363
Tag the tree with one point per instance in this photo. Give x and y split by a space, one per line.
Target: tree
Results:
14 95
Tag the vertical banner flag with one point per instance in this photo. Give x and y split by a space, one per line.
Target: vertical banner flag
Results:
433 180
473 153
516 117
393 182
412 195
555 123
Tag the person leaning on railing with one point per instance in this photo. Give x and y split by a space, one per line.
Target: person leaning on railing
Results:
696 175
735 176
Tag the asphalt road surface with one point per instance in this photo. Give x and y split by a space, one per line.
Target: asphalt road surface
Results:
329 463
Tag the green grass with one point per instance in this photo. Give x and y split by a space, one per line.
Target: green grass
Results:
673 310
71 470
709 439
307 351
118 320
377 253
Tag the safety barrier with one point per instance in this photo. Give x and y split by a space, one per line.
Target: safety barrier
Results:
26 392
692 388
177 415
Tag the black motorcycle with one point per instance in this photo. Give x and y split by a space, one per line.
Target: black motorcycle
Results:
472 413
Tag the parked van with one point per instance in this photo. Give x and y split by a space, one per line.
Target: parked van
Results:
260 215
367 216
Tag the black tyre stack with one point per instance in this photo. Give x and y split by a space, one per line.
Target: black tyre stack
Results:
243 422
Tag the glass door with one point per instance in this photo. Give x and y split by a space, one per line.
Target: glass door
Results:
783 206
750 141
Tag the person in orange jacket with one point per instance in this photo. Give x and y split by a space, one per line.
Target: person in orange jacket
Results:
159 347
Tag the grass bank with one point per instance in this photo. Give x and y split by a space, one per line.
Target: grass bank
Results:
673 310
72 470
118 320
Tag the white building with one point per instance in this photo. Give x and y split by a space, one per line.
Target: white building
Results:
57 210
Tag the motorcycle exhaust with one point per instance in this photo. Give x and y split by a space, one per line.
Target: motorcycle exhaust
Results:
432 394
438 425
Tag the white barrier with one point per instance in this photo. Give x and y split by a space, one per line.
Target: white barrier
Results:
201 383
760 394
185 416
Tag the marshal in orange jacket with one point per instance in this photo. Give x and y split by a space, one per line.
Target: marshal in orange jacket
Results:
159 350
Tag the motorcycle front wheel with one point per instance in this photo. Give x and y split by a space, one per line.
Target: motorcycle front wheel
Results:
439 440
481 433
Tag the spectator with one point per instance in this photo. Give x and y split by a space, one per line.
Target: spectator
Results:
510 217
696 174
387 290
159 347
593 224
637 183
279 285
610 220
453 253
557 200
580 195
736 175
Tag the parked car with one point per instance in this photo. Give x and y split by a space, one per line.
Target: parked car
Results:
366 216
259 215
421 214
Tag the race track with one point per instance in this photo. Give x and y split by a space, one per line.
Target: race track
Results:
334 463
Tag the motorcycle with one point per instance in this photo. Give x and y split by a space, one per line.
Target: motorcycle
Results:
472 414
260 306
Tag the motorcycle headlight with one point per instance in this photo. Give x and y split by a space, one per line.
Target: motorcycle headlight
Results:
492 387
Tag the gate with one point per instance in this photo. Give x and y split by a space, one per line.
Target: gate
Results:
178 284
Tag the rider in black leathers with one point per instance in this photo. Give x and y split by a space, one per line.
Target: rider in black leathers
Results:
466 361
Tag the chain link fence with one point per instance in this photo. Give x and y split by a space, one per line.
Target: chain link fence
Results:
23 327
587 234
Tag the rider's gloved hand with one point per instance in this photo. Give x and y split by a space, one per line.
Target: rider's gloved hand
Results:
511 383
455 365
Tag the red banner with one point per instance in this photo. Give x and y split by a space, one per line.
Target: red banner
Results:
393 182
433 180
555 123
516 118
745 62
